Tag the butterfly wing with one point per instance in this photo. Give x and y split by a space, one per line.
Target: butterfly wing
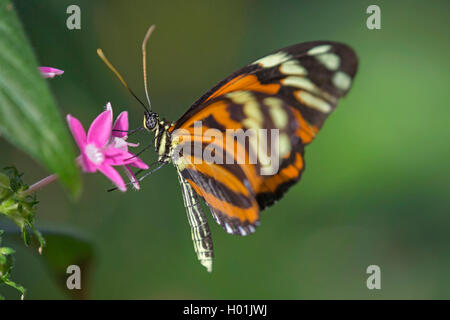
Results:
292 90
321 65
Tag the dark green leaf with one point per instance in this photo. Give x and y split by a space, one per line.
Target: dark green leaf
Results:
28 115
4 181
64 248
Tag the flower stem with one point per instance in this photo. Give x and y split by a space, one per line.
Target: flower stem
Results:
40 184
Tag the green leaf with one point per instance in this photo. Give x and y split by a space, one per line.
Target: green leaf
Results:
16 286
19 206
29 118
6 251
65 247
4 181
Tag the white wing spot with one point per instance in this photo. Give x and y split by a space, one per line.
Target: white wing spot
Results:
342 81
299 82
312 101
278 115
253 112
251 124
240 96
251 108
319 49
273 59
306 84
292 67
330 60
284 146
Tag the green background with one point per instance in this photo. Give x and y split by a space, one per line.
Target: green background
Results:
375 191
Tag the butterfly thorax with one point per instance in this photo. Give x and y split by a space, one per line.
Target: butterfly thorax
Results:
162 139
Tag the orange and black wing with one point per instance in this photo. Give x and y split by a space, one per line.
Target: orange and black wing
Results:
292 90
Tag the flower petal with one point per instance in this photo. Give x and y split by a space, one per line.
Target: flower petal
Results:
118 157
85 164
121 124
114 176
132 177
100 129
48 72
109 107
120 143
134 145
77 131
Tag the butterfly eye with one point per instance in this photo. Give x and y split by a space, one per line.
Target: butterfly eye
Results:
150 121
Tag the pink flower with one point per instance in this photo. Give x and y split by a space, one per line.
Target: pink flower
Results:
100 150
48 72
118 140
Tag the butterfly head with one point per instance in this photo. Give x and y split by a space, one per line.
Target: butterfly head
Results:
151 120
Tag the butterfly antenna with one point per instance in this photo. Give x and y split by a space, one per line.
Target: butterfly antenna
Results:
111 67
144 63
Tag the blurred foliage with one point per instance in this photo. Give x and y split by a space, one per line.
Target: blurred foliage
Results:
28 115
19 206
66 247
6 266
376 185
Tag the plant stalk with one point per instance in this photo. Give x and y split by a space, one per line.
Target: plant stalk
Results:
40 184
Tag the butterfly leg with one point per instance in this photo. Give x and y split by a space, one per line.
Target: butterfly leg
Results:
149 172
142 151
201 235
129 132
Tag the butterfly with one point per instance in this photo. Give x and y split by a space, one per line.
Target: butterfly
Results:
292 90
